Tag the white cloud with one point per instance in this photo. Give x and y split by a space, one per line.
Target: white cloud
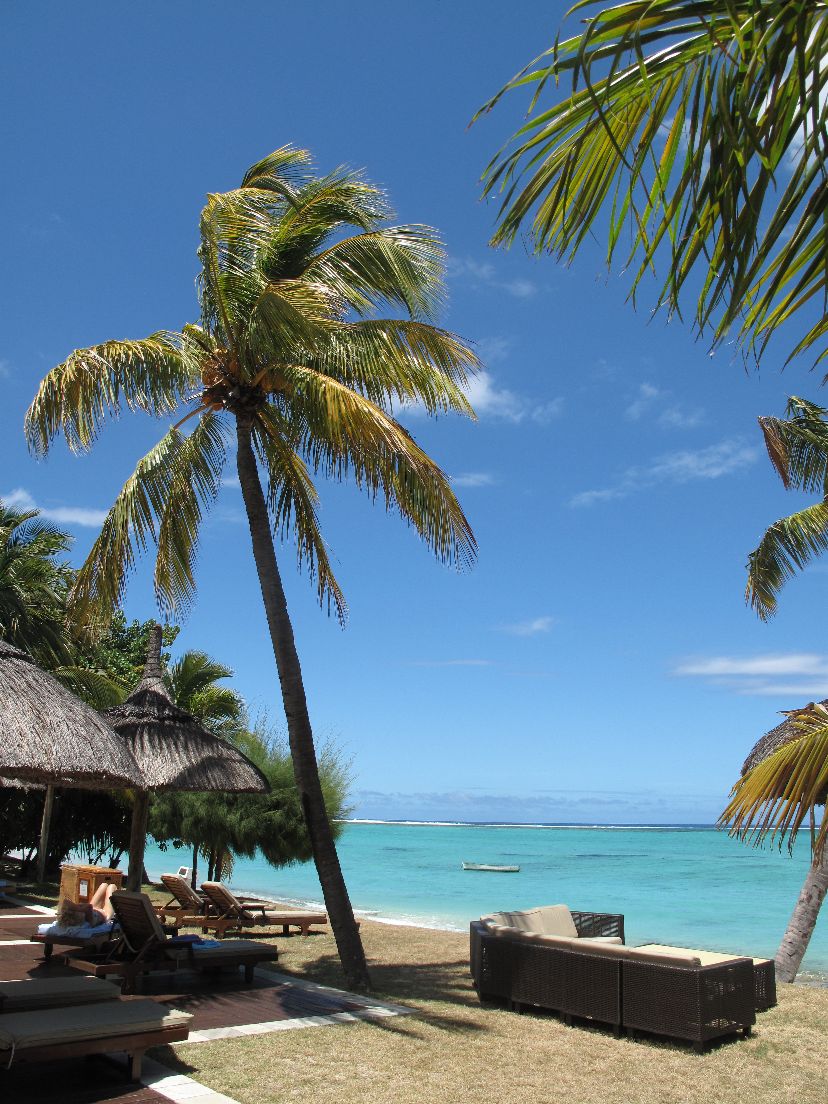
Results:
231 481
530 628
492 401
5 369
804 663
673 416
799 676
483 273
20 499
494 349
474 479
647 395
684 466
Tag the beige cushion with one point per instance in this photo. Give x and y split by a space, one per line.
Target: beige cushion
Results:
614 939
21 1030
706 958
30 994
675 956
545 920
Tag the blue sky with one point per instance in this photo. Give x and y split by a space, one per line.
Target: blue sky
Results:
599 662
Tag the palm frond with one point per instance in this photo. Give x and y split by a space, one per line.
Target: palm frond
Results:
772 800
346 434
682 119
89 386
292 501
394 265
786 548
161 503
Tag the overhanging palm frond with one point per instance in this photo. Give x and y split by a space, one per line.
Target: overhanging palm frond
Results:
696 131
161 503
798 445
772 800
78 395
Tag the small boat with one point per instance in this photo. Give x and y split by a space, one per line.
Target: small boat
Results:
491 868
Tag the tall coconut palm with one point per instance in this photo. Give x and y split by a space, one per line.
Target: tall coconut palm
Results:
694 133
292 356
786 777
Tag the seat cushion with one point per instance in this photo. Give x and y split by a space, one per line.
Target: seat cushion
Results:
22 1030
31 994
675 956
706 958
210 950
545 920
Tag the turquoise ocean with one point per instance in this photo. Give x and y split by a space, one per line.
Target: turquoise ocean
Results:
689 886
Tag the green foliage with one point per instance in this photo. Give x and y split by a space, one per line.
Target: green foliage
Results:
798 448
289 346
696 131
121 651
242 824
33 586
92 823
192 683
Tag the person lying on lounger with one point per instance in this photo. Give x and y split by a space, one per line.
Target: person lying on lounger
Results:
98 911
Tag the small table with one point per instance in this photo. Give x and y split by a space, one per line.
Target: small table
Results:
764 971
79 883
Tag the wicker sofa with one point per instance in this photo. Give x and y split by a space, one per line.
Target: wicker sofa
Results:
577 964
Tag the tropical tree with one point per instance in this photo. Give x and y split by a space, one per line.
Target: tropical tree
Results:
776 794
193 681
694 131
292 356
33 586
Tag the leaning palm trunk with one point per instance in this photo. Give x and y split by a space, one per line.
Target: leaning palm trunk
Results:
801 926
300 734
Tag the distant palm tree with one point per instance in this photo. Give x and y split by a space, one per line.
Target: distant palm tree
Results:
33 586
695 132
287 358
193 681
773 798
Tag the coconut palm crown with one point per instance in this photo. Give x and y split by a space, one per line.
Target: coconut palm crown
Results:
695 131
292 352
284 346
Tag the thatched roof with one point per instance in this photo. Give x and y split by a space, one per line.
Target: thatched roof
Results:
173 750
49 735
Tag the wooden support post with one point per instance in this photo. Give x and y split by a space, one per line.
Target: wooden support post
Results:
137 839
45 823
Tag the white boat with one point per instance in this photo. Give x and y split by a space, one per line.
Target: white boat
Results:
491 868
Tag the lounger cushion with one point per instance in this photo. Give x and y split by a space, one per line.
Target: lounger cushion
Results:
34 993
21 1030
706 958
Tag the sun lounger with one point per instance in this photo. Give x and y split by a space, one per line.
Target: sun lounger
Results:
144 947
185 906
31 994
234 912
83 936
132 1026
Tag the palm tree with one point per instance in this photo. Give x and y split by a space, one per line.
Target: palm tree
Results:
779 789
33 586
292 355
193 684
784 779
695 131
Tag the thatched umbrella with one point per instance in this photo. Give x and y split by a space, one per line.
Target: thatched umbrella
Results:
47 735
174 751
784 732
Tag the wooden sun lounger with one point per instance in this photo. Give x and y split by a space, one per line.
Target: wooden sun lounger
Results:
144 947
131 1026
230 912
88 943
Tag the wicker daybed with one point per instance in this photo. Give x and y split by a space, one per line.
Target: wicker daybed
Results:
577 964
